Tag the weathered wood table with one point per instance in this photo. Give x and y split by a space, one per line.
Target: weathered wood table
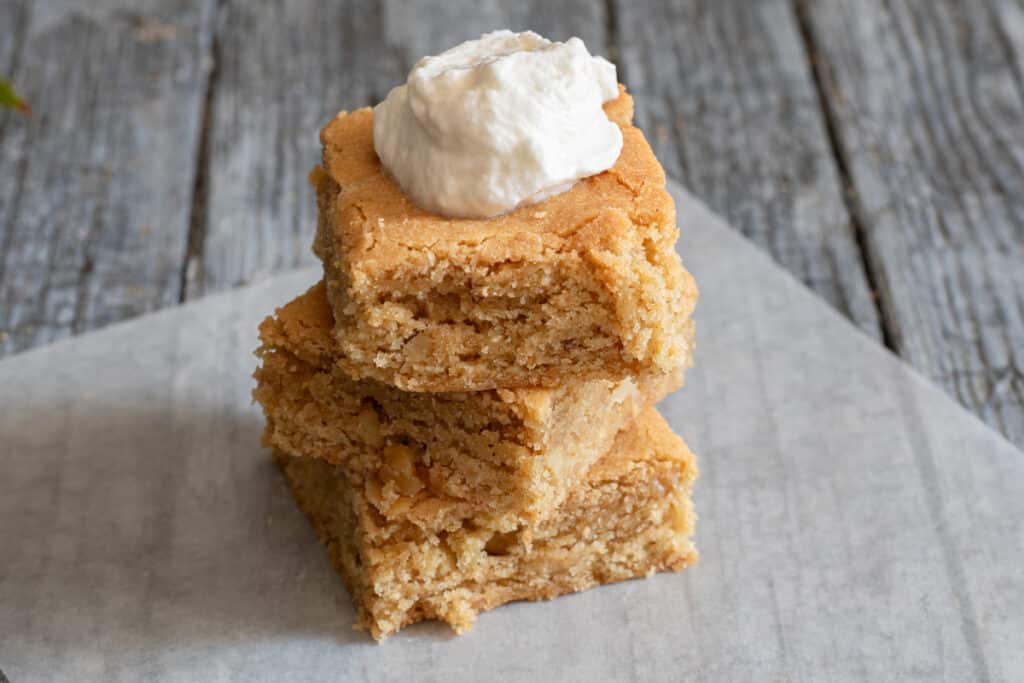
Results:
874 147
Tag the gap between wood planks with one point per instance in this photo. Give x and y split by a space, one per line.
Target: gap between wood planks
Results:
611 18
192 266
821 78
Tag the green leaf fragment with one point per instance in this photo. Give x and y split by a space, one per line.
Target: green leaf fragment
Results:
11 100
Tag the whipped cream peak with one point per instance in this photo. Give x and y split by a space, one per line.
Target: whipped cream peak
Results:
499 122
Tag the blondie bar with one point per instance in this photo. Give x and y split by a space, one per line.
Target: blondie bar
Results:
583 285
506 456
631 516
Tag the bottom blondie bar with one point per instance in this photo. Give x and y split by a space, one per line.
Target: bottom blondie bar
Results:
631 516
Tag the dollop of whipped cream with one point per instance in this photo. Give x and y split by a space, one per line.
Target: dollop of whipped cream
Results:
495 123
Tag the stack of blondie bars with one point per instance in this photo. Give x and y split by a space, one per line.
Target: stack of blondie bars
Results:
463 407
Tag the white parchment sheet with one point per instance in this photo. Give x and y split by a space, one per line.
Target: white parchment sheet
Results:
855 523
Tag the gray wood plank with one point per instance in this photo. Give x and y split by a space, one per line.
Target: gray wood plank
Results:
726 95
1009 16
97 185
283 69
13 16
928 103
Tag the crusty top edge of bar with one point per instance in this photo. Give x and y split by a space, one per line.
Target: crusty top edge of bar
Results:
375 217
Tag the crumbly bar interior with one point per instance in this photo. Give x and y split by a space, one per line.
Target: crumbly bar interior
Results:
509 455
586 284
632 516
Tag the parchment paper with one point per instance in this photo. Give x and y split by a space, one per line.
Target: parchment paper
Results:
855 524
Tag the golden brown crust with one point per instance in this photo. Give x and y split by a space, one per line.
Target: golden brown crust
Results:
378 218
303 326
632 516
585 284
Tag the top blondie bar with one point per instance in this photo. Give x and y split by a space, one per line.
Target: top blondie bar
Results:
583 285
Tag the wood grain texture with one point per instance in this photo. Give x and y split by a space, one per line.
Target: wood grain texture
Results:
726 95
928 103
96 185
13 16
283 70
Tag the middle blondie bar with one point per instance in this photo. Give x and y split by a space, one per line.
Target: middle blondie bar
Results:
506 457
